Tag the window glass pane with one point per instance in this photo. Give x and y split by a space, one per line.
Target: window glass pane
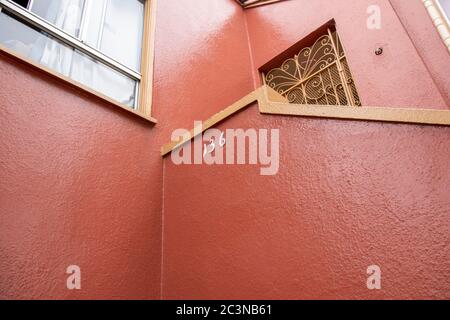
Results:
65 60
64 14
122 34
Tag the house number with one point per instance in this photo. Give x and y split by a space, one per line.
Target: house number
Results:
209 148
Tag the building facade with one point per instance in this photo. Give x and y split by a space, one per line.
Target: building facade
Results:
83 181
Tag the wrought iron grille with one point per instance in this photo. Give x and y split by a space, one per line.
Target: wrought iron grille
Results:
319 74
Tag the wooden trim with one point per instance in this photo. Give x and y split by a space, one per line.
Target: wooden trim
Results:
272 103
71 82
294 49
148 58
439 21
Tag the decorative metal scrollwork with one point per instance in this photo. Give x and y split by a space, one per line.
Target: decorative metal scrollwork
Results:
317 75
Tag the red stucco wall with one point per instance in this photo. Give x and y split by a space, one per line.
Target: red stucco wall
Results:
80 185
83 183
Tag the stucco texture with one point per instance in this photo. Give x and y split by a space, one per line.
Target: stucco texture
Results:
83 182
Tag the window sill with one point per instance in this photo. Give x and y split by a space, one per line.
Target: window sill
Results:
20 58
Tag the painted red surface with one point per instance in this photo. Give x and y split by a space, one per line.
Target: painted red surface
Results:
83 183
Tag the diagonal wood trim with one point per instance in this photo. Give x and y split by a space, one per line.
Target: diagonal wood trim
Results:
270 102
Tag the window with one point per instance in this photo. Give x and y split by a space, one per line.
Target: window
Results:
319 74
97 43
254 3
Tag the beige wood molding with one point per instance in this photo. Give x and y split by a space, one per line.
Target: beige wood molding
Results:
272 103
440 21
399 115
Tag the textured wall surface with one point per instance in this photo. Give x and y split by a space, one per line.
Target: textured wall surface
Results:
83 183
348 195
427 42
